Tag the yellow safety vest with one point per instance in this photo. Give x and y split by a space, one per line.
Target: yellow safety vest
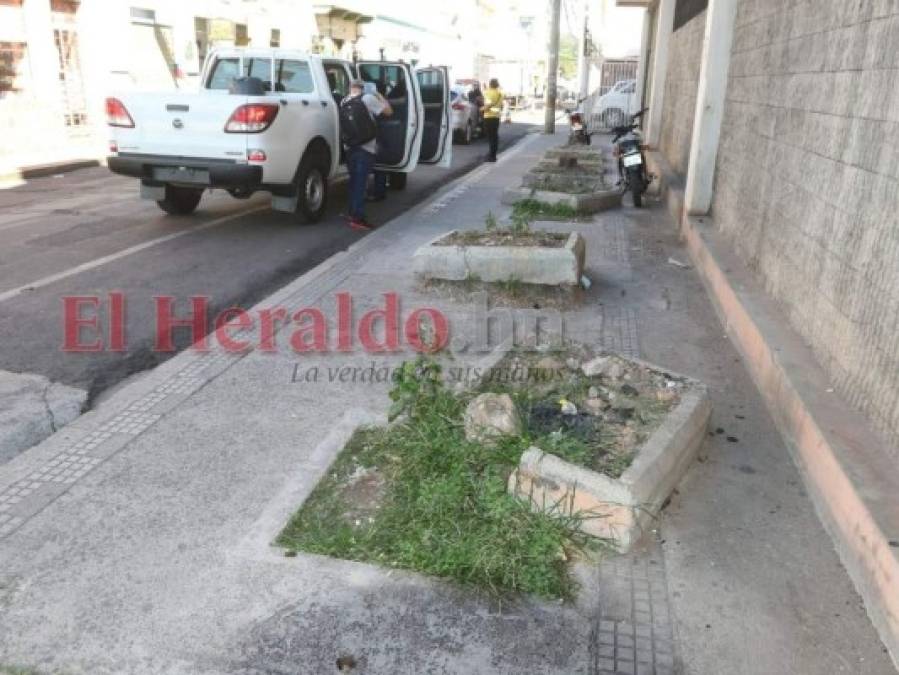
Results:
493 102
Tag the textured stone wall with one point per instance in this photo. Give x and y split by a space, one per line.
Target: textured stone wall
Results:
807 181
679 102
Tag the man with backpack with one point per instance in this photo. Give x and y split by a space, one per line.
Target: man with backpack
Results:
359 130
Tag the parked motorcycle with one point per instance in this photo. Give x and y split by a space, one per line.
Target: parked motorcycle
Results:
578 134
628 149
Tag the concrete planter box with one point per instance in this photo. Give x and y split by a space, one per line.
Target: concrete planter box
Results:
545 265
573 183
591 165
619 509
580 151
587 202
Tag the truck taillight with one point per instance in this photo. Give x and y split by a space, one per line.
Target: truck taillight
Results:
117 114
256 155
251 119
458 106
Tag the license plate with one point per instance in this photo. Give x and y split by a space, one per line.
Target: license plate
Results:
577 126
632 160
181 174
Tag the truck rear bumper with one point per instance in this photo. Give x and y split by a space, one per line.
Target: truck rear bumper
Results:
162 169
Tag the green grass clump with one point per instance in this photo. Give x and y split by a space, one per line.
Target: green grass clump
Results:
533 209
445 510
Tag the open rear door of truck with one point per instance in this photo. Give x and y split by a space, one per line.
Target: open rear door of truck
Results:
436 138
400 135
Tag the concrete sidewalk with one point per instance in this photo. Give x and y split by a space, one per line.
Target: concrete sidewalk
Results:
137 540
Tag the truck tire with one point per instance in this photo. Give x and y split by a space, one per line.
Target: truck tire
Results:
180 201
312 189
397 180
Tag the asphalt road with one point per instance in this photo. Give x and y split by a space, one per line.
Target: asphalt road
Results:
87 233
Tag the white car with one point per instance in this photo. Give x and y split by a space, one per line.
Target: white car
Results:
279 135
617 105
465 116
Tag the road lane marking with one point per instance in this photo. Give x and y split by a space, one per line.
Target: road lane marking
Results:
124 253
28 217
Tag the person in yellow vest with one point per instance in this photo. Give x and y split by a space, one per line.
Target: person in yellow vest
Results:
493 107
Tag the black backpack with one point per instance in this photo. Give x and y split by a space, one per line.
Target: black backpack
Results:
357 126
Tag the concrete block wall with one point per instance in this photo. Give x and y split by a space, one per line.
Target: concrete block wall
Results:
684 53
807 180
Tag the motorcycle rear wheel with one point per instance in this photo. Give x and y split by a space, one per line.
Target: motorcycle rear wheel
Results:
637 192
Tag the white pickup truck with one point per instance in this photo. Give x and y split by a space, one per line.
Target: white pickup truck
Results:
282 137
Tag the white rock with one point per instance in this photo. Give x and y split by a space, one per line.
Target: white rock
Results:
595 366
595 406
613 371
490 416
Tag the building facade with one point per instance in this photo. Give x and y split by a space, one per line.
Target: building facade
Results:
60 59
776 128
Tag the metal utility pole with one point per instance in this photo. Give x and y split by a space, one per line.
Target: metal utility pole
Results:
549 119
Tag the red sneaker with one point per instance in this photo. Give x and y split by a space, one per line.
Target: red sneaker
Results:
360 224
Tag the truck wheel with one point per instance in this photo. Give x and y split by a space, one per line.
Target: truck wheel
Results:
397 180
180 201
312 187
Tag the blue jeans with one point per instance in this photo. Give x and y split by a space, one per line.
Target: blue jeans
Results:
379 189
359 163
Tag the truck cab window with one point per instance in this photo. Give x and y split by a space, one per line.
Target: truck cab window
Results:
293 77
260 68
338 81
223 71
390 81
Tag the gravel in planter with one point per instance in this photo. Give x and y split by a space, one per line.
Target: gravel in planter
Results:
596 421
504 237
569 182
620 468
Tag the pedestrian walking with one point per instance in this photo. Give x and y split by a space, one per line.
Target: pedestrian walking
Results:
476 96
358 129
493 107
